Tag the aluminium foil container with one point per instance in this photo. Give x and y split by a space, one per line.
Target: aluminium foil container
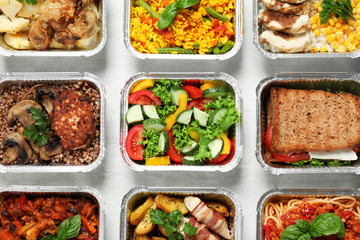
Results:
239 35
277 194
256 40
8 51
138 195
231 83
347 82
24 79
61 191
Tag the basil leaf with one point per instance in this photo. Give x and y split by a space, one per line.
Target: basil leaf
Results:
69 228
167 16
294 232
186 3
49 237
304 225
327 224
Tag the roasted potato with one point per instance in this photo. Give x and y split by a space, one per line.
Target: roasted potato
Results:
137 215
219 207
169 204
162 230
158 238
141 237
145 226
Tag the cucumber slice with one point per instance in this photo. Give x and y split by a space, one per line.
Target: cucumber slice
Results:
175 93
190 160
150 111
163 141
215 92
201 116
190 149
154 124
217 115
134 114
185 116
216 146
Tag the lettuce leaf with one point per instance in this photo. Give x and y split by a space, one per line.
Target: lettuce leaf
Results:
182 137
151 143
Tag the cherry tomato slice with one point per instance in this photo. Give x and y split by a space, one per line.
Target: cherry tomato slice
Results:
22 202
144 97
173 153
193 91
133 149
231 154
294 157
220 158
198 103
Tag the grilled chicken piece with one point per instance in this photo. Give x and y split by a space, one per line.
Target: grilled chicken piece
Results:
208 216
284 23
293 1
284 42
285 8
201 232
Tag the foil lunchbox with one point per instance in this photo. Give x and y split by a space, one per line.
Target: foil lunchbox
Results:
61 191
239 36
277 194
348 82
7 51
272 55
31 79
239 132
138 195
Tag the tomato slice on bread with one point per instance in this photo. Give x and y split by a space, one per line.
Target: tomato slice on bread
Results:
133 149
144 97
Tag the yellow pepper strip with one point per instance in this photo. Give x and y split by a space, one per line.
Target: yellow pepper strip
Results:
155 161
194 135
171 119
207 86
226 149
142 85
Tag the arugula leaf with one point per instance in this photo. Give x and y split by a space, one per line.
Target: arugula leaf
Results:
30 2
341 8
37 131
69 228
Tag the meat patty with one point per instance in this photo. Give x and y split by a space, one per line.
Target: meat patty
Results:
73 120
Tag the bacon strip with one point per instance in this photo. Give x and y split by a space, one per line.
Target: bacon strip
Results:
202 233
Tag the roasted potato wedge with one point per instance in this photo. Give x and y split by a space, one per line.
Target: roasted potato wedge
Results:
145 226
137 215
158 238
219 207
162 230
169 204
141 237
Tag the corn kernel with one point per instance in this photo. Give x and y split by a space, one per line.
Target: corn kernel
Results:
314 49
314 26
323 49
331 22
335 44
339 34
351 36
313 20
220 9
334 18
329 30
357 35
341 40
356 42
317 32
331 37
340 49
357 29
323 31
349 46
338 25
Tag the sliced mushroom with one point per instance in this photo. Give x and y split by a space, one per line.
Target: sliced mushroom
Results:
53 147
44 95
21 112
16 147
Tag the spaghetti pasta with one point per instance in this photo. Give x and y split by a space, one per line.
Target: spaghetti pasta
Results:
280 214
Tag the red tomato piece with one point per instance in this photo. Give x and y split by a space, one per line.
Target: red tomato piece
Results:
199 103
220 28
87 224
22 202
220 158
194 82
5 235
294 157
144 97
173 153
231 154
133 149
268 231
193 91
215 23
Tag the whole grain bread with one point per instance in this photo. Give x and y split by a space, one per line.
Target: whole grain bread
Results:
313 120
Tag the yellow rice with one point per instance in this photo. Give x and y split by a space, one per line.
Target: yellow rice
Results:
187 29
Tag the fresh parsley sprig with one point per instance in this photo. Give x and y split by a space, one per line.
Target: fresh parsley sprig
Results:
30 2
37 131
168 15
68 229
341 8
170 222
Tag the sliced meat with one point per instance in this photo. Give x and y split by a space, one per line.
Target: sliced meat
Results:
293 1
286 43
284 23
202 233
285 8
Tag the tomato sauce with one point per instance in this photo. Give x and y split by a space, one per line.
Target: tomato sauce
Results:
308 212
32 218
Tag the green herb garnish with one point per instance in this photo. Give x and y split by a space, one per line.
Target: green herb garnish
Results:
325 224
30 2
170 222
341 8
68 229
168 15
37 131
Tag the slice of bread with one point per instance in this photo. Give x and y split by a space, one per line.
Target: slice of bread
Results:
313 120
